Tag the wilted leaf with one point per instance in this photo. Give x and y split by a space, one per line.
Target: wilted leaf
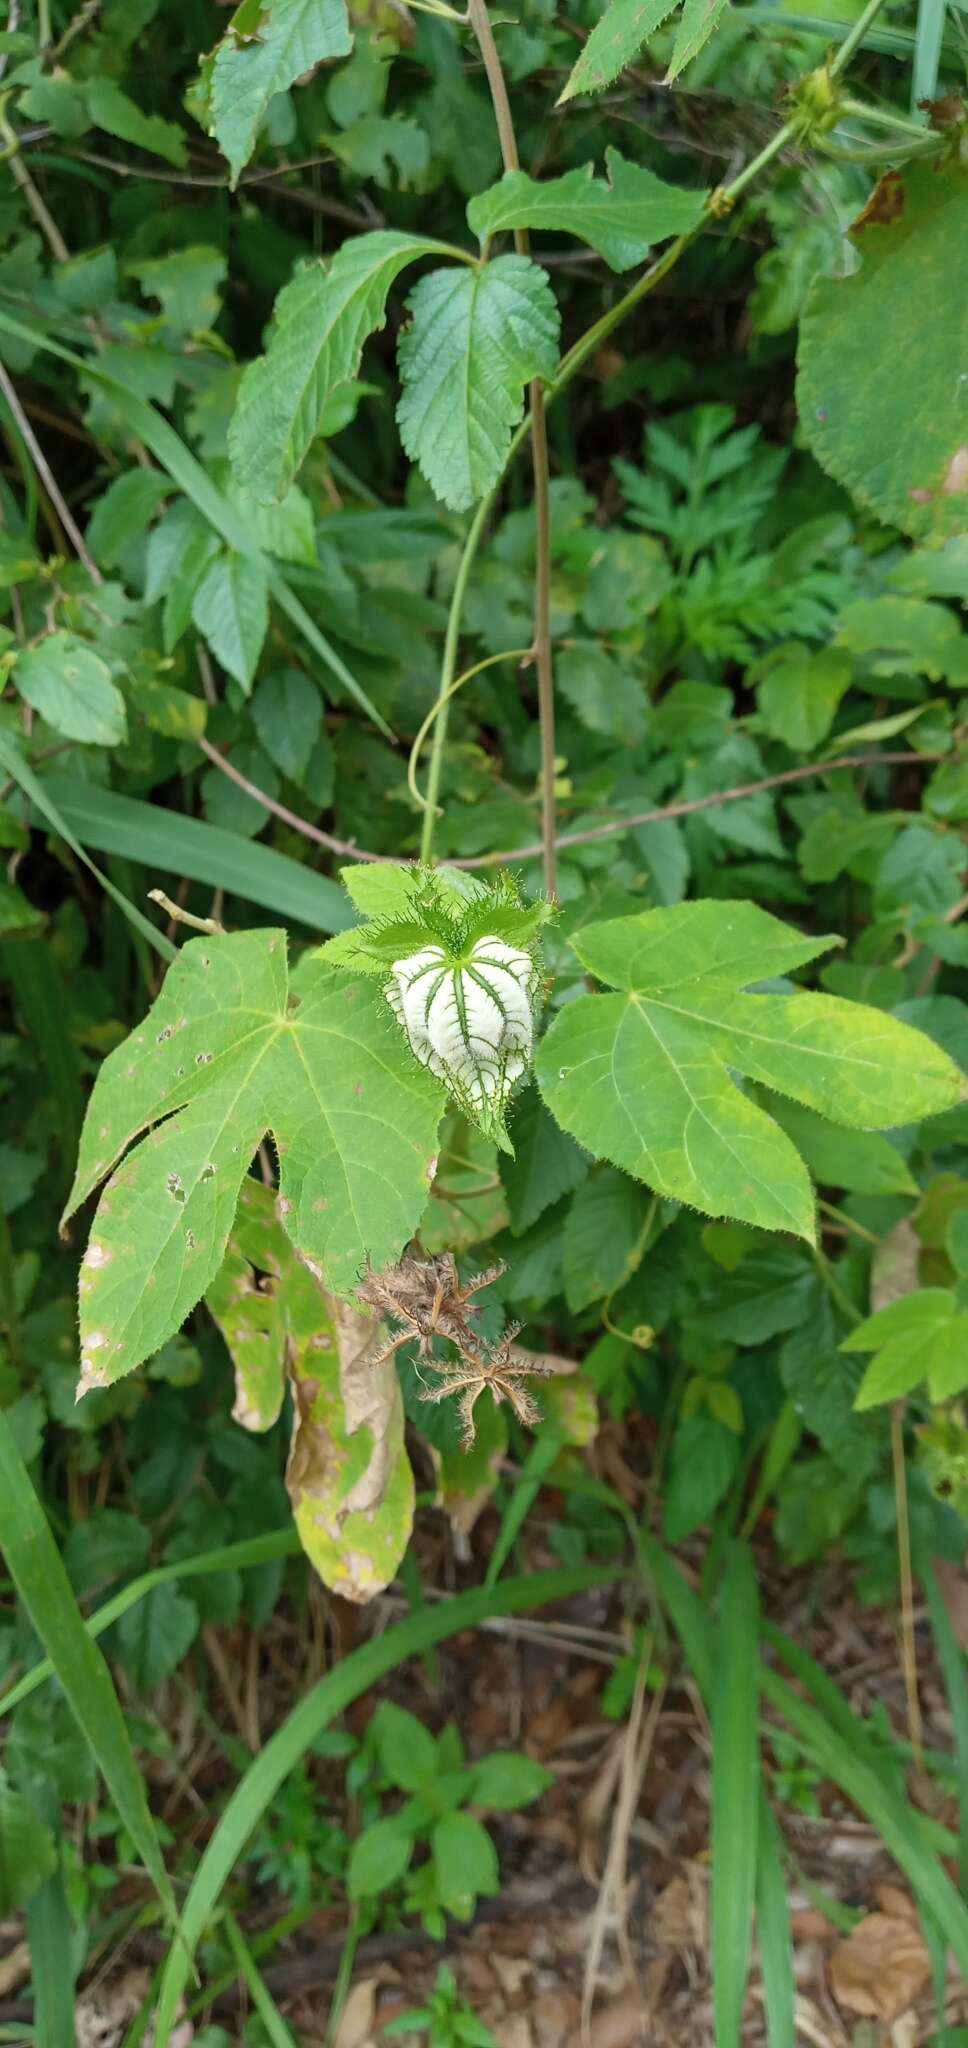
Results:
348 1475
882 1968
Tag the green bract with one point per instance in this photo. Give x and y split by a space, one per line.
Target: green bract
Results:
458 965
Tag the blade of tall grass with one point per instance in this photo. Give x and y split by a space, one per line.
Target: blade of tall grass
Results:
237 1557
262 1999
167 842
537 1465
331 1696
928 38
735 1791
688 1615
51 1946
774 1938
952 1660
897 1823
21 772
186 471
35 1565
28 965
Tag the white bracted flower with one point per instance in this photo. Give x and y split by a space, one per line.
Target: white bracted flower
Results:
471 1022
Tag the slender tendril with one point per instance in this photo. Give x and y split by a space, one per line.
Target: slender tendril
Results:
438 707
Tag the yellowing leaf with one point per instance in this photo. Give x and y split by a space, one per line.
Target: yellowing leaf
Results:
348 1475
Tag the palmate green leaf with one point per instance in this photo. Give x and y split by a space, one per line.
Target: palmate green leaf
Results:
223 1057
621 217
921 1336
615 41
69 686
644 1077
894 434
321 320
476 338
264 50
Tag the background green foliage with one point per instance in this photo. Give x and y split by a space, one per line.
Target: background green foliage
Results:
248 405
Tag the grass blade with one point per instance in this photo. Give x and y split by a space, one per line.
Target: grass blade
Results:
40 795
687 1614
28 965
773 1933
51 1947
897 1823
952 1660
331 1696
735 1792
42 1583
182 466
928 38
168 843
262 1999
231 1557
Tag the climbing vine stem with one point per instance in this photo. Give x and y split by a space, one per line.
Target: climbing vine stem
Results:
719 203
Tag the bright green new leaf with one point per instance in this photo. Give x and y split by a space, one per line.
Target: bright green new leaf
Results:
919 1336
644 1077
621 217
231 608
615 41
264 50
27 1851
320 323
476 338
223 1057
66 683
378 1858
890 427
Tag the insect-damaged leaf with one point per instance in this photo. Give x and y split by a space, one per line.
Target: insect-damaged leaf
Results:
224 1056
887 421
348 1475
644 1077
